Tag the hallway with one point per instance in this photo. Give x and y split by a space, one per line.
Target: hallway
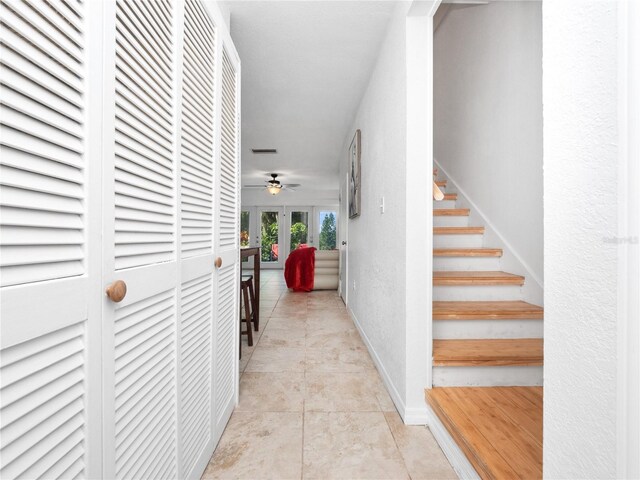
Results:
312 404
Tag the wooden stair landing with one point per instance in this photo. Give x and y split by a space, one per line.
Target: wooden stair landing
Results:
488 352
499 429
476 278
492 310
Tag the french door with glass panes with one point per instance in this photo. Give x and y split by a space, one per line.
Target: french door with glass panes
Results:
120 167
298 228
271 235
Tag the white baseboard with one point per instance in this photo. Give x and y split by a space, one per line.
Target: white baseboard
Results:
416 416
386 379
452 451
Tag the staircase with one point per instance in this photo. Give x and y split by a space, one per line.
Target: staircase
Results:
487 350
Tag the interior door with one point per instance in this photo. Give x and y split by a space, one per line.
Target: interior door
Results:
142 240
227 244
271 230
197 206
343 239
49 258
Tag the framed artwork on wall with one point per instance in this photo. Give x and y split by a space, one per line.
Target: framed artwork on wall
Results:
354 176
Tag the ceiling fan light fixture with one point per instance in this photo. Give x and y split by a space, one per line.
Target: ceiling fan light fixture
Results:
274 189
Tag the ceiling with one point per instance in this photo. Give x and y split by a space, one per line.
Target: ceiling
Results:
305 65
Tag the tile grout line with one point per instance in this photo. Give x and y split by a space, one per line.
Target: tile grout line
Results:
395 442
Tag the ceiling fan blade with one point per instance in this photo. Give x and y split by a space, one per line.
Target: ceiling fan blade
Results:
291 185
254 186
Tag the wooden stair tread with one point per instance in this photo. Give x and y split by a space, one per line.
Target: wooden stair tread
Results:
441 183
458 230
495 310
476 278
488 352
499 429
450 212
467 252
450 196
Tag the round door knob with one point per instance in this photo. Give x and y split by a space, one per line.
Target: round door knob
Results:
344 243
218 262
117 291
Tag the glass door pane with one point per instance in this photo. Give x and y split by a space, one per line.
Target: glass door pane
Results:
327 235
245 218
299 229
269 231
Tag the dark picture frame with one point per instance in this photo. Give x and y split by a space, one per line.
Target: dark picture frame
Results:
355 175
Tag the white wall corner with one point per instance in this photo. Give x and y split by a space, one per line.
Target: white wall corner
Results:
418 238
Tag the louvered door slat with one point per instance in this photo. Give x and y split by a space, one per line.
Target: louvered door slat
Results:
41 138
45 28
196 348
144 375
25 106
56 67
197 132
42 401
144 162
57 14
134 24
158 14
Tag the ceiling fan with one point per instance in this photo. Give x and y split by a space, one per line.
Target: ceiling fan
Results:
274 186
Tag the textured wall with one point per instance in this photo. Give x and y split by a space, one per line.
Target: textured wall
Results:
580 203
376 241
488 116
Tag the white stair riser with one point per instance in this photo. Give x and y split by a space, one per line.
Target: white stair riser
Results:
451 221
477 292
468 329
508 376
444 204
466 263
457 241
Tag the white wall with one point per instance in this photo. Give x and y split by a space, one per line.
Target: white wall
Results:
376 262
389 255
581 134
488 117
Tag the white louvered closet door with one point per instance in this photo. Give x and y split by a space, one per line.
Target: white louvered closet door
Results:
227 246
49 260
141 240
197 142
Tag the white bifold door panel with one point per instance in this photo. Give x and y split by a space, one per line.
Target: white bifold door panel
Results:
119 161
227 241
49 283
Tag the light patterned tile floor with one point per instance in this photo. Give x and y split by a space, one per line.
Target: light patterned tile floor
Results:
312 404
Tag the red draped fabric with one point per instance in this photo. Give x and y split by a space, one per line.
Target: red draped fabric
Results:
299 269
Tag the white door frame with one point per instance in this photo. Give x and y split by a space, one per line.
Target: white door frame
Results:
419 166
628 407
